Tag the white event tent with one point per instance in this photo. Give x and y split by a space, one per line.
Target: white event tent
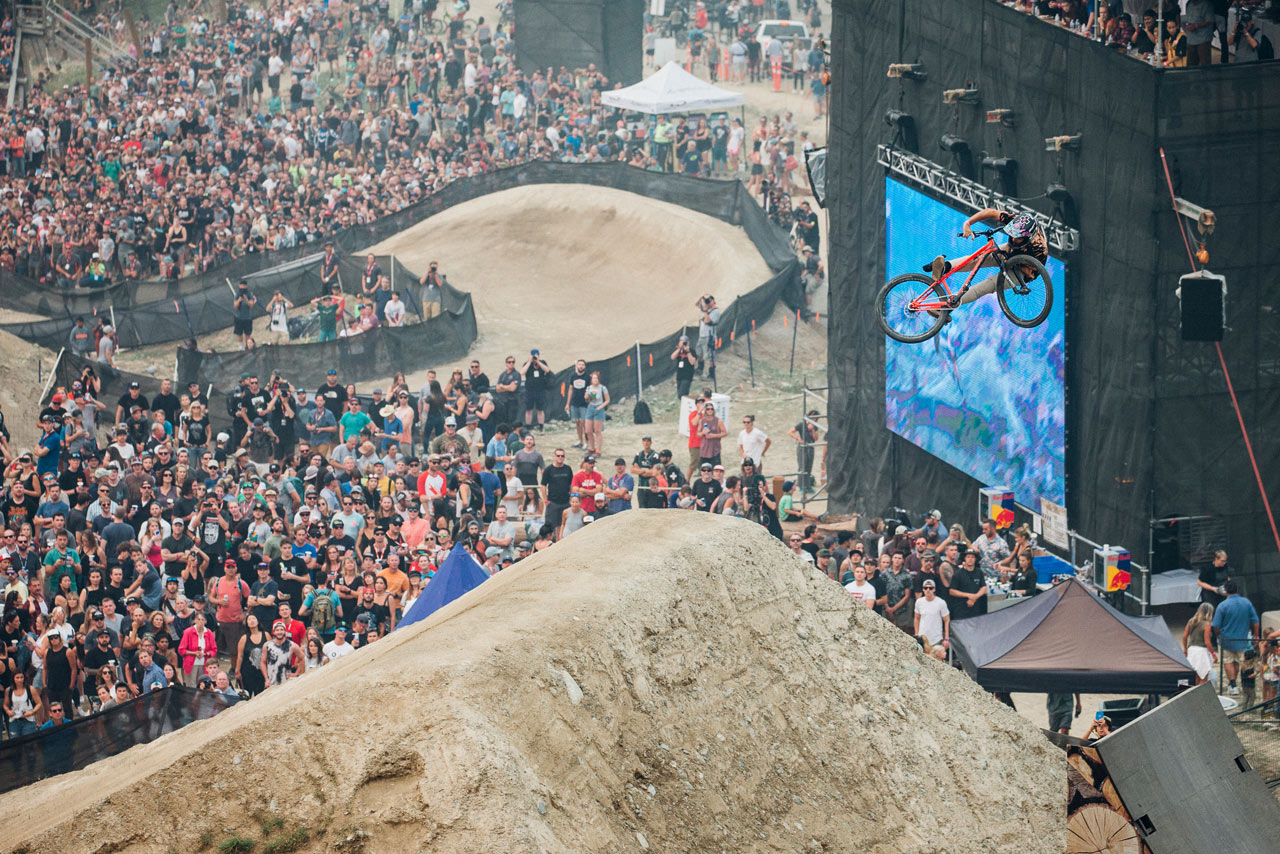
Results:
671 89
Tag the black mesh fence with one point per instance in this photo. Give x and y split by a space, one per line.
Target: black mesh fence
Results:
79 743
379 352
448 335
200 304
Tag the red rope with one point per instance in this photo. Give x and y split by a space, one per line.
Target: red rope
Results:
1177 216
1235 404
1248 446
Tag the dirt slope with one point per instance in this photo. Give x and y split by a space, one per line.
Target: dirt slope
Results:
660 681
578 271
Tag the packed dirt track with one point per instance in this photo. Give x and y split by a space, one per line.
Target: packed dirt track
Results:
664 681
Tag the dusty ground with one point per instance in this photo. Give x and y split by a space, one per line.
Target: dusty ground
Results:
578 271
24 367
708 693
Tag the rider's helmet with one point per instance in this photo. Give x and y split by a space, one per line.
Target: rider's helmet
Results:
1021 226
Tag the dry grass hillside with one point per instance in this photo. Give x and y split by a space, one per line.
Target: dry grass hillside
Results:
659 681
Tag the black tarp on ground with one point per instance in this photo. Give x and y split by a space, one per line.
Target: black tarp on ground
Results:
1067 640
81 742
1150 431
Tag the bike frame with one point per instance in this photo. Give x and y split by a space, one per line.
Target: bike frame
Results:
930 300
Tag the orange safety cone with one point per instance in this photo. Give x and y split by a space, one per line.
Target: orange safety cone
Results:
777 74
688 58
724 64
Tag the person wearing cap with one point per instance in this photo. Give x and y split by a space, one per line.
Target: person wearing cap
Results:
322 425
824 564
787 509
448 442
711 431
106 354
281 657
931 618
229 595
537 376
805 434
648 468
928 572
587 482
706 489
968 588
492 560
618 487
686 366
338 647
61 669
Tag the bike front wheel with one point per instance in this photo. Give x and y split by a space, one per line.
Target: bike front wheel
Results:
1026 300
898 319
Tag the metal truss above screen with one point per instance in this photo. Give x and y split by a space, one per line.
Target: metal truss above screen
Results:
970 194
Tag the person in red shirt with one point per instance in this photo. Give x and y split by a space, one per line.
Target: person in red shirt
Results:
695 438
297 631
588 482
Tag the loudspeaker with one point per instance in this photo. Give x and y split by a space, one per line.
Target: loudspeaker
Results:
1202 297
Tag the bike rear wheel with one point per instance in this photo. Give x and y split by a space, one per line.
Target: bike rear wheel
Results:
1025 301
898 320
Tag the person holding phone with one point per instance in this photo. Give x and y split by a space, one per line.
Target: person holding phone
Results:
1100 728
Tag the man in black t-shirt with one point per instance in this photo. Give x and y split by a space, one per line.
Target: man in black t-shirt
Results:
291 574
646 468
557 483
686 365
968 594
1212 578
576 406
536 376
335 395
175 548
706 489
506 393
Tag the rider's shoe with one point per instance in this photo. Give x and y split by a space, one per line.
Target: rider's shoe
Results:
946 315
938 267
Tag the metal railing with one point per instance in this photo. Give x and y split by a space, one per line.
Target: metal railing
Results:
806 392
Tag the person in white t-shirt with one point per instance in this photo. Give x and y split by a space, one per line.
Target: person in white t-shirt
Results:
933 618
753 443
394 310
861 589
338 647
797 542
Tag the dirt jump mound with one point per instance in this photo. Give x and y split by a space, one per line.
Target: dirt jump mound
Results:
659 681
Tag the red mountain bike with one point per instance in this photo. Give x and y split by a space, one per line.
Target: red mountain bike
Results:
912 308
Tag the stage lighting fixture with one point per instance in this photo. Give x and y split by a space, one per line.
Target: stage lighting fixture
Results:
961 156
904 130
1000 117
954 144
1006 169
960 96
1057 193
908 70
1058 143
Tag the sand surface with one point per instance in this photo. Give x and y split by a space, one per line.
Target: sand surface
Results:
24 367
672 682
578 271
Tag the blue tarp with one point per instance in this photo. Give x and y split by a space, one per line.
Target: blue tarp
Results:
456 576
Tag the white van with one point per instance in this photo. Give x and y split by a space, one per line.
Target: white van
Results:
767 31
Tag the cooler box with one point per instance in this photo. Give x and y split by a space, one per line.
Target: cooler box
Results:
1047 566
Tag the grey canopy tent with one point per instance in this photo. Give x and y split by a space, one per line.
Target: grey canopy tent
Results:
1067 640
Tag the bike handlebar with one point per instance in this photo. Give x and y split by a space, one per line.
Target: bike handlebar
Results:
988 233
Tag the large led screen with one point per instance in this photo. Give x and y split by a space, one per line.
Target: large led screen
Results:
984 395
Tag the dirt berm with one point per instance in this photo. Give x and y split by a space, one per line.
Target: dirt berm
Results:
663 681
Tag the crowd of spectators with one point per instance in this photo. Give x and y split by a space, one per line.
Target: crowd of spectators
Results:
281 126
143 547
1188 35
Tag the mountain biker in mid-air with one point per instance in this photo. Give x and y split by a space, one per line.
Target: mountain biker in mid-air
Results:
1025 238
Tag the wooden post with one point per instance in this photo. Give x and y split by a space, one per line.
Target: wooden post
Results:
88 62
132 23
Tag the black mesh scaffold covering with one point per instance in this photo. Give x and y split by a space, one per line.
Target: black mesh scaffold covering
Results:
1150 427
575 33
79 743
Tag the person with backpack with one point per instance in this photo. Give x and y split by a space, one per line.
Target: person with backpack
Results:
1248 41
323 608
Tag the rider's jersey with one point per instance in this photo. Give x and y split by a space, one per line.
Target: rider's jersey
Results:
1035 245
